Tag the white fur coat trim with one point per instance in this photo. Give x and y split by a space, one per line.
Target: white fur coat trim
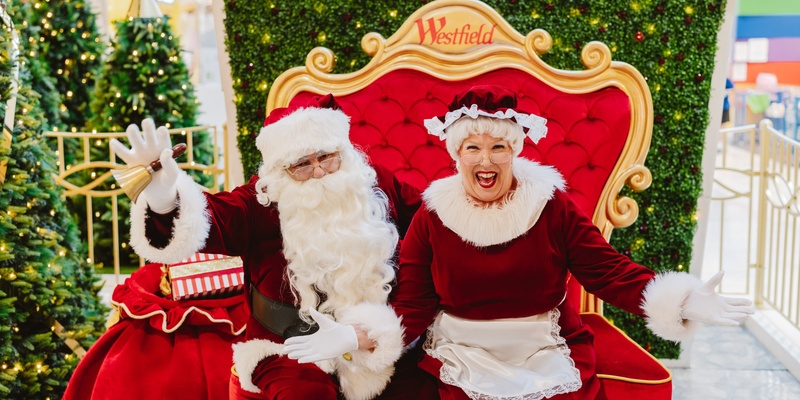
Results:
663 304
247 355
364 376
367 373
487 226
189 232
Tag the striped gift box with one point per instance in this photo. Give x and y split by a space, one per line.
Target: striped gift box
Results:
206 275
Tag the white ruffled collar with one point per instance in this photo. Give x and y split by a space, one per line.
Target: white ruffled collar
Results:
501 223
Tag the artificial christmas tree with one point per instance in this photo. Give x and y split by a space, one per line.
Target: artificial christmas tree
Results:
37 67
72 48
49 305
143 77
63 39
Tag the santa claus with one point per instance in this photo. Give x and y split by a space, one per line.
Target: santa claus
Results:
315 232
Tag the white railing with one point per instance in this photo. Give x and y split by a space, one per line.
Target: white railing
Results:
754 214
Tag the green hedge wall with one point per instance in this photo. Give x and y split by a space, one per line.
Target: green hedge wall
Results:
672 43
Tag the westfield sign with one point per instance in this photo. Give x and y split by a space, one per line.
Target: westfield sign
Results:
436 31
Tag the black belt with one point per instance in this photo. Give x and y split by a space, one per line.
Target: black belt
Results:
279 318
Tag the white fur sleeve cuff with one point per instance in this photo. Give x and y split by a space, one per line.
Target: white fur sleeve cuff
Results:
382 326
367 373
247 355
189 232
663 304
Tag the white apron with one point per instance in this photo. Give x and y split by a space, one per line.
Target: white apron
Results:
503 359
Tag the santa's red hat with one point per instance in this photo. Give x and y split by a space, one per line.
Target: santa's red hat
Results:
291 133
486 101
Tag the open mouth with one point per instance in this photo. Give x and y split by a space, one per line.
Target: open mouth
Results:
486 179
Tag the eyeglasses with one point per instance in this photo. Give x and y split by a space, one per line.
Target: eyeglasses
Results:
303 169
476 157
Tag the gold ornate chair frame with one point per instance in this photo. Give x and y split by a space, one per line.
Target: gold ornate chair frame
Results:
411 48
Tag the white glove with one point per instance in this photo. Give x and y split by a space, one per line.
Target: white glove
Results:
146 147
704 305
330 341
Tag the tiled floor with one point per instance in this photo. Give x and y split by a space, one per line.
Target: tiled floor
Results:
729 363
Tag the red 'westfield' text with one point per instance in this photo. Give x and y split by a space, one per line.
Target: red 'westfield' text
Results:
464 34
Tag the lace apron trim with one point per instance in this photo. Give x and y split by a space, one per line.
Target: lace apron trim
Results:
503 359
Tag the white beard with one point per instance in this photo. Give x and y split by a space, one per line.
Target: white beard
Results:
337 237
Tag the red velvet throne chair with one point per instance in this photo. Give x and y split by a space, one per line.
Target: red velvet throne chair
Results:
599 128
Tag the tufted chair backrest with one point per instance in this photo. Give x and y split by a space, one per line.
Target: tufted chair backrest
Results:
586 132
599 120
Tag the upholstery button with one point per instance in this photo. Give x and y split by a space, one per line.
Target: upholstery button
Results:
385 97
429 142
407 120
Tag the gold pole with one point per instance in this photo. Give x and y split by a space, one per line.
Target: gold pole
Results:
764 136
115 234
226 157
90 228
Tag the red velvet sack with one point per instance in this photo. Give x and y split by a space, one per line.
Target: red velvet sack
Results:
160 348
